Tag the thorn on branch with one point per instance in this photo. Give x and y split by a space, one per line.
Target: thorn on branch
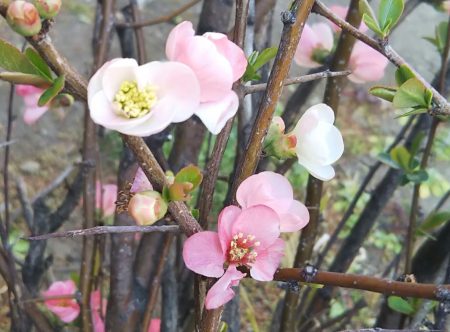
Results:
287 17
309 272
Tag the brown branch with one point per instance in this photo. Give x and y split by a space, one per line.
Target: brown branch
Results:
139 33
442 106
161 19
296 80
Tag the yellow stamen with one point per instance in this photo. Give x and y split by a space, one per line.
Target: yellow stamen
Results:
133 102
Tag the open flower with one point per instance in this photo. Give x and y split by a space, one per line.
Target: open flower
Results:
67 309
366 64
274 191
341 12
217 62
31 95
319 142
247 238
315 44
105 198
142 100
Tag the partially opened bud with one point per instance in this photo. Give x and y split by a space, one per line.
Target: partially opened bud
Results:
23 17
147 207
277 143
48 8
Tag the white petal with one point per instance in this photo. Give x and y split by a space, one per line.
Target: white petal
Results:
324 173
117 72
325 35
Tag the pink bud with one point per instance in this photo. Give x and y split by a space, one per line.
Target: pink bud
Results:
23 17
48 8
147 207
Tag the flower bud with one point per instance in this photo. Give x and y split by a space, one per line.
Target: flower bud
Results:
48 8
277 143
23 18
147 207
62 100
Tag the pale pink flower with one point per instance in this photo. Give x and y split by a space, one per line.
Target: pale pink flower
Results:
66 309
31 95
366 64
142 100
274 191
319 142
315 38
341 11
155 325
217 63
248 237
105 198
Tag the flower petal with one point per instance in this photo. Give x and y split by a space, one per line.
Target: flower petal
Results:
203 254
221 292
177 37
115 74
268 261
305 48
295 218
32 114
321 172
324 32
215 114
226 219
140 182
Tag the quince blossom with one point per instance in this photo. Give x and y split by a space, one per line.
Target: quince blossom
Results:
66 309
217 63
247 238
142 100
30 95
315 44
366 64
274 191
341 12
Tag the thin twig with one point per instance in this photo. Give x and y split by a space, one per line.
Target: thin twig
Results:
161 19
2 145
296 80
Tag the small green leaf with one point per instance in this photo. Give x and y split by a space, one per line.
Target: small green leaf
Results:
428 97
11 59
416 143
252 58
383 92
365 8
389 13
52 91
401 156
265 56
21 78
418 110
385 158
435 220
195 213
165 194
412 93
399 304
441 35
418 176
402 74
39 63
372 24
190 174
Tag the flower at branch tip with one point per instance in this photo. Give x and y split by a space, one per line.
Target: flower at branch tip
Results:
341 12
217 62
314 46
48 8
142 100
246 238
366 64
67 309
23 18
274 191
147 207
105 198
319 142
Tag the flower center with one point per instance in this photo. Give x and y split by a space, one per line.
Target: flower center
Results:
132 102
242 249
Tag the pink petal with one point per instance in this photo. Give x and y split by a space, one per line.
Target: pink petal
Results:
115 74
226 219
106 197
66 314
25 90
202 253
341 12
155 325
215 114
233 53
99 324
259 221
176 39
267 261
325 35
221 292
366 64
265 188
141 182
57 288
305 48
32 114
295 218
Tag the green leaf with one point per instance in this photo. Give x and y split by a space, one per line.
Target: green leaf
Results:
365 8
416 144
418 110
21 78
372 24
399 304
401 156
190 174
11 59
434 220
265 56
389 13
412 93
417 176
39 63
252 58
52 91
195 213
385 158
383 92
402 74
441 35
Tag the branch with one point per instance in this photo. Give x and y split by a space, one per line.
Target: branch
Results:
442 106
107 230
297 80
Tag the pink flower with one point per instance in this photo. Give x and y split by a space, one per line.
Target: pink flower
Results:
30 95
155 325
316 42
274 191
105 198
98 311
319 142
66 309
217 62
341 11
142 100
366 64
247 238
